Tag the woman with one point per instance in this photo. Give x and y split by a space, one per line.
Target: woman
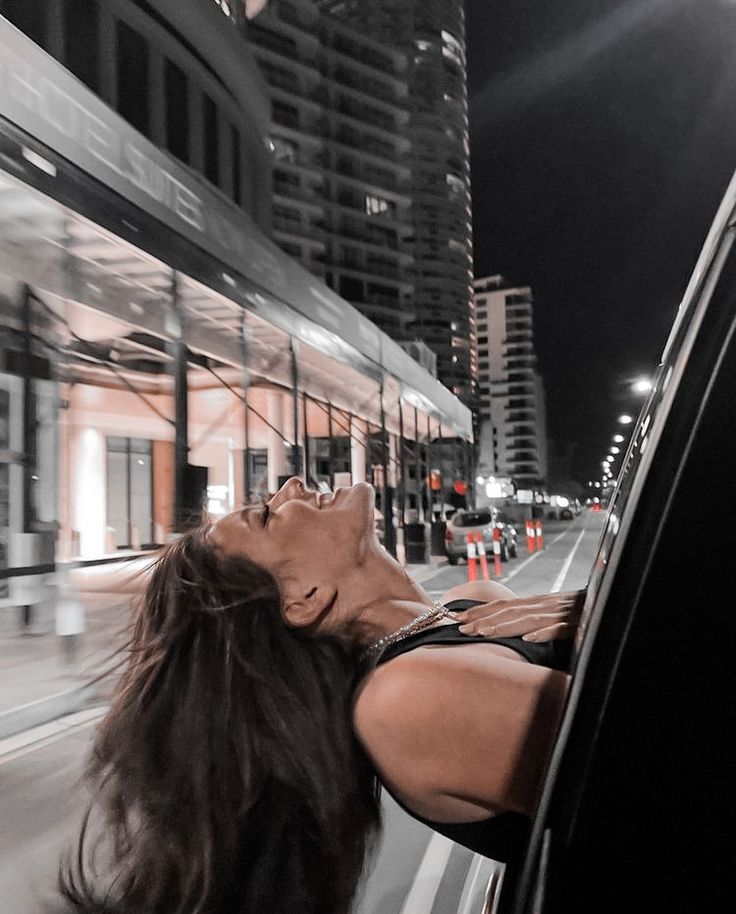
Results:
280 661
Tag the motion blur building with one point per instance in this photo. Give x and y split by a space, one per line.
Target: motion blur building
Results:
158 352
513 437
342 181
430 34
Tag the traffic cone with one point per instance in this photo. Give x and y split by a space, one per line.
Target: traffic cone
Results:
471 554
530 536
539 539
497 552
482 557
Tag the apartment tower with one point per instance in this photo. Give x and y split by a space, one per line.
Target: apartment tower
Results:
341 175
431 35
512 413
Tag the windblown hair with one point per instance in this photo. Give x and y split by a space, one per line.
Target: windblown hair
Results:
226 770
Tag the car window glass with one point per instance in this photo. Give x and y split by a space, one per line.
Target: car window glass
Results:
668 372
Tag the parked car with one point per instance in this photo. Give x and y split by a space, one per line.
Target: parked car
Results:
483 521
638 807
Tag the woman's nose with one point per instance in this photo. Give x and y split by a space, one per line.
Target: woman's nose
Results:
292 488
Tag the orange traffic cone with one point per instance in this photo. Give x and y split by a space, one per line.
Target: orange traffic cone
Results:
471 554
482 556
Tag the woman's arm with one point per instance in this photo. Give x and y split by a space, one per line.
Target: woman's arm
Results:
461 734
541 617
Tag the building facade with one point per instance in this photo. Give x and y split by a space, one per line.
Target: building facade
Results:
512 413
342 181
431 35
159 354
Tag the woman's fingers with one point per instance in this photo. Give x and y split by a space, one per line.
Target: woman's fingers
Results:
547 616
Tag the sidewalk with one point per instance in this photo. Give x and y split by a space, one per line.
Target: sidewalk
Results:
38 683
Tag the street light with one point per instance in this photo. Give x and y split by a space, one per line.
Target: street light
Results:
618 438
625 419
642 386
615 450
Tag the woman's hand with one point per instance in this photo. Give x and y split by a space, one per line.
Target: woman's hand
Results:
536 618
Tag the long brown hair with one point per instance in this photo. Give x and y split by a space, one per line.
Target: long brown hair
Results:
226 769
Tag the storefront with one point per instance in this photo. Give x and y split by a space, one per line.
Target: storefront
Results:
158 354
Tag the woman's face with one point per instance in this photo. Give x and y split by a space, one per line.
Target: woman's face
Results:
307 540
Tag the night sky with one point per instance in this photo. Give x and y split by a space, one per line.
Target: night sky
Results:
603 135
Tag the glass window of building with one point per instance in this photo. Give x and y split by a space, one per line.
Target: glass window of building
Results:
211 140
82 40
129 493
284 150
27 16
374 205
132 72
177 111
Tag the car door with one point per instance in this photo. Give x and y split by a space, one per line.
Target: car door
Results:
639 807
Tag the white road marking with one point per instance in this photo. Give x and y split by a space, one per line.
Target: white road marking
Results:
20 744
566 567
428 876
531 558
469 896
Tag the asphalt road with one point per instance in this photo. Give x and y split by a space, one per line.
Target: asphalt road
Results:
415 871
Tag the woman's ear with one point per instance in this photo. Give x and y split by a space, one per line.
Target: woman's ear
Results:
308 609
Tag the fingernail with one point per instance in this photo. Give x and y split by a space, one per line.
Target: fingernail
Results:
530 636
465 628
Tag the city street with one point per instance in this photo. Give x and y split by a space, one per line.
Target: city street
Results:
415 871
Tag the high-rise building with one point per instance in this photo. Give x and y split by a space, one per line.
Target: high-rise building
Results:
431 35
512 412
341 176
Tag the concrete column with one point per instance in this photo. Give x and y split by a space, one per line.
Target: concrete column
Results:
88 485
358 448
277 458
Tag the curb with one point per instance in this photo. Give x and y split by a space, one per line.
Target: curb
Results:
48 709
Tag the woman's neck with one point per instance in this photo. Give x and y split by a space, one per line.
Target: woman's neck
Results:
379 597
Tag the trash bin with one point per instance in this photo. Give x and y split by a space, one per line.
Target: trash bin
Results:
415 544
439 528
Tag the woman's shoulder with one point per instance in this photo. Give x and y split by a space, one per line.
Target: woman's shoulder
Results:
480 591
436 720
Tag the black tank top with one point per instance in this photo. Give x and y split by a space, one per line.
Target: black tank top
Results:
502 837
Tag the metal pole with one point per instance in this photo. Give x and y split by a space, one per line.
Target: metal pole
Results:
295 459
441 446
428 453
29 440
181 411
29 416
330 446
386 498
305 400
350 445
402 468
472 473
245 349
418 466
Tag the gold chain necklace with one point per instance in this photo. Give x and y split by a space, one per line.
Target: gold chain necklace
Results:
436 612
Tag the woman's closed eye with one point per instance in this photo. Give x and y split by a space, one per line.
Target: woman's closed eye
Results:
265 514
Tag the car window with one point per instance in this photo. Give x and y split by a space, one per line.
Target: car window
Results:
472 518
644 440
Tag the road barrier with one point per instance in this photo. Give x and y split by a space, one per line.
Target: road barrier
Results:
471 553
530 536
482 556
497 552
